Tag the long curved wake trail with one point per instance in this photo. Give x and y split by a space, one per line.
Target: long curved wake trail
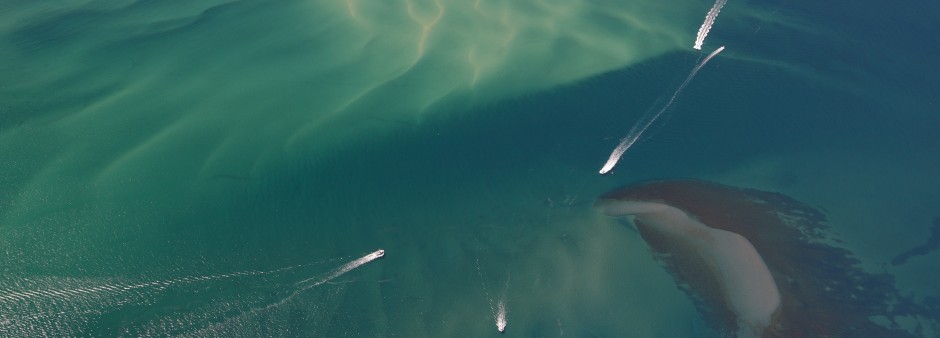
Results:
60 306
308 283
707 24
641 126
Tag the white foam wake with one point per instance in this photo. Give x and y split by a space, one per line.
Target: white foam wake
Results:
707 25
501 315
501 310
304 285
339 271
62 306
641 126
70 288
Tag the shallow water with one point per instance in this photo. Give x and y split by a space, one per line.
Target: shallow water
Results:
184 168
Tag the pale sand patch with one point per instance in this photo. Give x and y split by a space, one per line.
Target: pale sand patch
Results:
748 288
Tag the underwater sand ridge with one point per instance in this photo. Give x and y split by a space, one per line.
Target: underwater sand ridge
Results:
822 289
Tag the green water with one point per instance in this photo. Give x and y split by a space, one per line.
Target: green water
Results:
198 168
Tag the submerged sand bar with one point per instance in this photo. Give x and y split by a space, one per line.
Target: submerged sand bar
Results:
747 287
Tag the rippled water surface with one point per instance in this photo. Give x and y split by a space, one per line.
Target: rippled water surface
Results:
229 168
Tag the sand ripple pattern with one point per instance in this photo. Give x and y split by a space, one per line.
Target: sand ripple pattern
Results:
225 88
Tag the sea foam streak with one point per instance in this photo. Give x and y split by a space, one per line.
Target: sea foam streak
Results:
707 25
641 126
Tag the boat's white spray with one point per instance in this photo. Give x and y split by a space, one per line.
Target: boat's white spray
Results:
707 25
306 283
644 123
500 310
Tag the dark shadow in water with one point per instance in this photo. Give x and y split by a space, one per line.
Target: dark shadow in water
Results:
933 243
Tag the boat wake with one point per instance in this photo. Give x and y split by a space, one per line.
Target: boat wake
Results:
707 25
62 306
647 120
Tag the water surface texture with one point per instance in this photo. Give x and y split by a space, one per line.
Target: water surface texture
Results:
224 168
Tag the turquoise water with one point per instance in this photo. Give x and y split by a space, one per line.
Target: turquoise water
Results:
201 168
